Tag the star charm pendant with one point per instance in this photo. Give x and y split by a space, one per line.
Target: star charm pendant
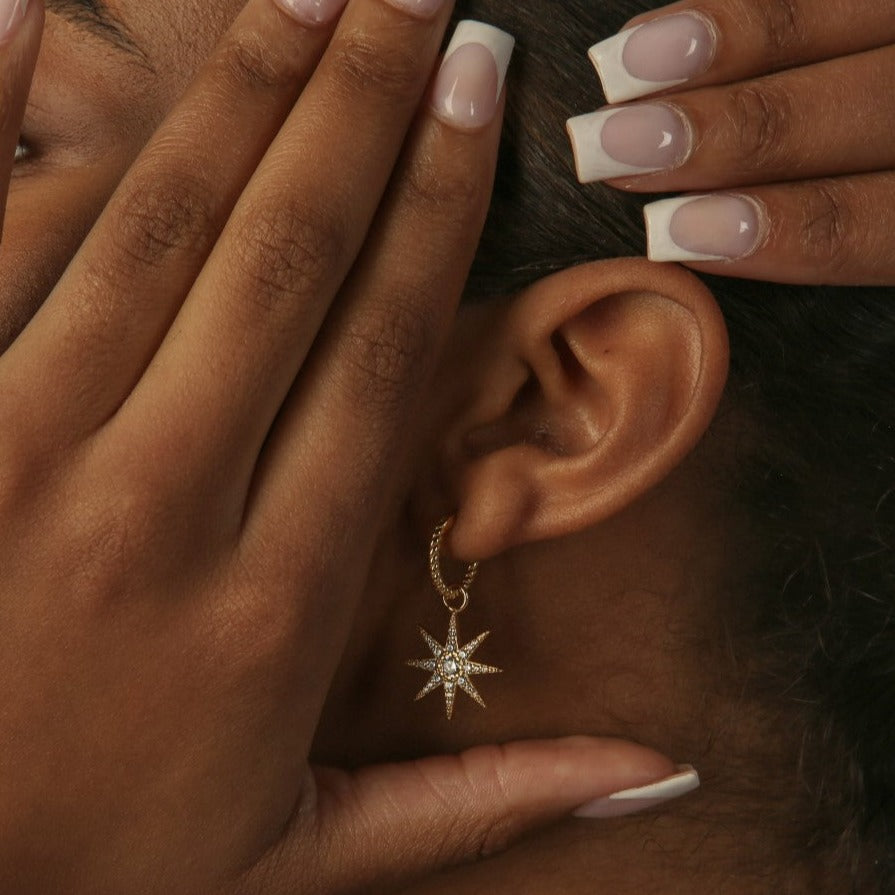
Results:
451 666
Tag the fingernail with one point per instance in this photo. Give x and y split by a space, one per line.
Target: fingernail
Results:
312 12
12 13
651 57
623 142
422 9
630 801
468 85
703 228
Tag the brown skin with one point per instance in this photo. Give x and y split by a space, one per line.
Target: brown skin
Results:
171 622
627 626
605 559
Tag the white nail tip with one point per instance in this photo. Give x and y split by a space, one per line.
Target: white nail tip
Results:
592 162
619 84
499 43
670 788
660 245
18 11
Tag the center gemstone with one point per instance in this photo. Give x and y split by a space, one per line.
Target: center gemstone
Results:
451 667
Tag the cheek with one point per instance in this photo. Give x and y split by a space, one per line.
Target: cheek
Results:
48 215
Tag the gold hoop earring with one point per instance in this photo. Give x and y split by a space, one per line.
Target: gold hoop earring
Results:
451 665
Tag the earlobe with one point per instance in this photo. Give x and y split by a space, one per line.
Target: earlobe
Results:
604 378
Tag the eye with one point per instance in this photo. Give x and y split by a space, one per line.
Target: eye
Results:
22 152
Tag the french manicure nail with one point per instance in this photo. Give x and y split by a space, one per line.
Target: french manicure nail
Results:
630 801
650 57
12 13
422 9
312 12
635 140
703 228
468 86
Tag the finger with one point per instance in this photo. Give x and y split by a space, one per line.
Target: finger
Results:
21 26
377 352
104 321
694 44
804 123
384 825
833 232
257 308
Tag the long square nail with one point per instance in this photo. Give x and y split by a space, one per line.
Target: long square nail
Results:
704 228
630 801
469 83
639 139
659 54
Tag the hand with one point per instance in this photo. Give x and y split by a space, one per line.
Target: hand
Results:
799 164
196 435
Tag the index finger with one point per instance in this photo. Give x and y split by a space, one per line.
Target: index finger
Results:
708 42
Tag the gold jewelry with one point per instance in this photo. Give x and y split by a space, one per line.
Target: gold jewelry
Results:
451 665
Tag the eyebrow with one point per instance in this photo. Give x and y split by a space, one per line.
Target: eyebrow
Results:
95 17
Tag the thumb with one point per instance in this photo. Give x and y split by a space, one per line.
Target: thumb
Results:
383 825
21 26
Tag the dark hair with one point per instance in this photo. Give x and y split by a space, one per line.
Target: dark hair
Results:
813 369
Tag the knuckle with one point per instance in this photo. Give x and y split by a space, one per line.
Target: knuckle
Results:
447 800
760 116
161 213
489 784
456 196
254 625
283 253
109 538
784 29
249 630
365 68
387 352
829 227
248 62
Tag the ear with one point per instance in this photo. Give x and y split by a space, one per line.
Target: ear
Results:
600 380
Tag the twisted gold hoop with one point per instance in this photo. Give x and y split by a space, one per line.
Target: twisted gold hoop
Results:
451 596
450 664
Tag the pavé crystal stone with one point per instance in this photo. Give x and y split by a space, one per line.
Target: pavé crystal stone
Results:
451 666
